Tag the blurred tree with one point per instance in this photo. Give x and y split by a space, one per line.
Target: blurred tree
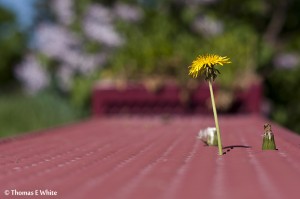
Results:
12 46
150 38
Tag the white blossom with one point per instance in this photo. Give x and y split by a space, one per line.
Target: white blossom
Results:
71 57
99 13
65 77
104 33
82 62
55 41
32 75
197 2
127 12
90 63
287 60
64 10
207 26
97 25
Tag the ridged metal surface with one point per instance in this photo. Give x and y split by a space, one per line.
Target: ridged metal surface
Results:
152 157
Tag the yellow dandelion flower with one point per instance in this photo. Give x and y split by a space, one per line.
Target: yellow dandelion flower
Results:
206 62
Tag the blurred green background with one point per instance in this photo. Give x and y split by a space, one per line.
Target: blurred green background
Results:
49 66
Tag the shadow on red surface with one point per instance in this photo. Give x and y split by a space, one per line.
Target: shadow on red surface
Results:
231 147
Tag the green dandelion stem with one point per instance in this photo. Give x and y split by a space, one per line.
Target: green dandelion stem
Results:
215 117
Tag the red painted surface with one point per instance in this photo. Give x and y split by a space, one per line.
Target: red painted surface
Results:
152 157
137 99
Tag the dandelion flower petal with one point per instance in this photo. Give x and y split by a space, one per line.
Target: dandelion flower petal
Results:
208 60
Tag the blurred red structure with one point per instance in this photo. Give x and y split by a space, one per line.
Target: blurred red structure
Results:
152 157
138 100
